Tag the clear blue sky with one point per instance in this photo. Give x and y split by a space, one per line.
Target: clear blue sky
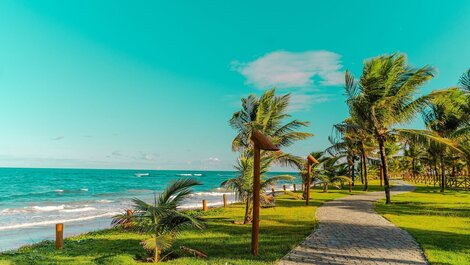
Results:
152 84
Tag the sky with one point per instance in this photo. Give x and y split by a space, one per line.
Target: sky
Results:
152 84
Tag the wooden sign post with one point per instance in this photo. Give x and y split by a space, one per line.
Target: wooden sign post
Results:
260 142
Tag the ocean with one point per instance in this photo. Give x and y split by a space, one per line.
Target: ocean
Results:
33 200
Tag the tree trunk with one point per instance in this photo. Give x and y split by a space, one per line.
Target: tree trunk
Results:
364 165
443 175
156 257
353 175
362 170
413 168
247 218
383 158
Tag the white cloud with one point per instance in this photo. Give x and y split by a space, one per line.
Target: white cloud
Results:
299 102
214 159
57 138
284 69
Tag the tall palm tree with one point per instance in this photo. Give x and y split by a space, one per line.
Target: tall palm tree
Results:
268 114
242 184
161 219
445 121
386 96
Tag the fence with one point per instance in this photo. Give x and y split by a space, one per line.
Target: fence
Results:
456 182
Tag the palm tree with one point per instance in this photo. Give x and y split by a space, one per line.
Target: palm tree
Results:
268 114
385 96
242 184
413 152
333 172
444 121
161 219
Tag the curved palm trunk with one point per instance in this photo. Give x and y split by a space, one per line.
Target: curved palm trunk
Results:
384 169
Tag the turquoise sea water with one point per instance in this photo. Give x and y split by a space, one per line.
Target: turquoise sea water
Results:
32 200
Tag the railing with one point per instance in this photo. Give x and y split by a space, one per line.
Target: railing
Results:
455 182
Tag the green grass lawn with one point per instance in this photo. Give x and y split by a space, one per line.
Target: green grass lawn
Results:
440 223
282 228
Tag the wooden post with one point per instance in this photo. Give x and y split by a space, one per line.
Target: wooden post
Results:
256 202
302 187
295 188
350 188
307 185
284 187
274 193
204 205
260 141
59 236
225 200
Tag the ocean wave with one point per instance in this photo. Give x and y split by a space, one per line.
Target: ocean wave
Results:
197 174
209 193
184 175
51 222
77 210
47 208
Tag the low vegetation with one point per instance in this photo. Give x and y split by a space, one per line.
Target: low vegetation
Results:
438 221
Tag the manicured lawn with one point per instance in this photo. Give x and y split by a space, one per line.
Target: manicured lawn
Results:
282 228
439 222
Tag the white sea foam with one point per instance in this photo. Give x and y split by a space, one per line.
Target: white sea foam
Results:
59 190
197 175
47 208
209 193
76 210
84 189
51 222
184 175
105 201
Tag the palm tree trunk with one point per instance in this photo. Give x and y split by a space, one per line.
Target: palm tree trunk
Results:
156 258
353 175
247 218
362 170
413 167
364 165
384 168
443 175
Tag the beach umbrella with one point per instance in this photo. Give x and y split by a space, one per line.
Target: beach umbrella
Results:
260 142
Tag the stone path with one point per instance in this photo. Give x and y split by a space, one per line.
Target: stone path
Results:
351 232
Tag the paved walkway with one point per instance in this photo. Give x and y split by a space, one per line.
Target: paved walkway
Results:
351 232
